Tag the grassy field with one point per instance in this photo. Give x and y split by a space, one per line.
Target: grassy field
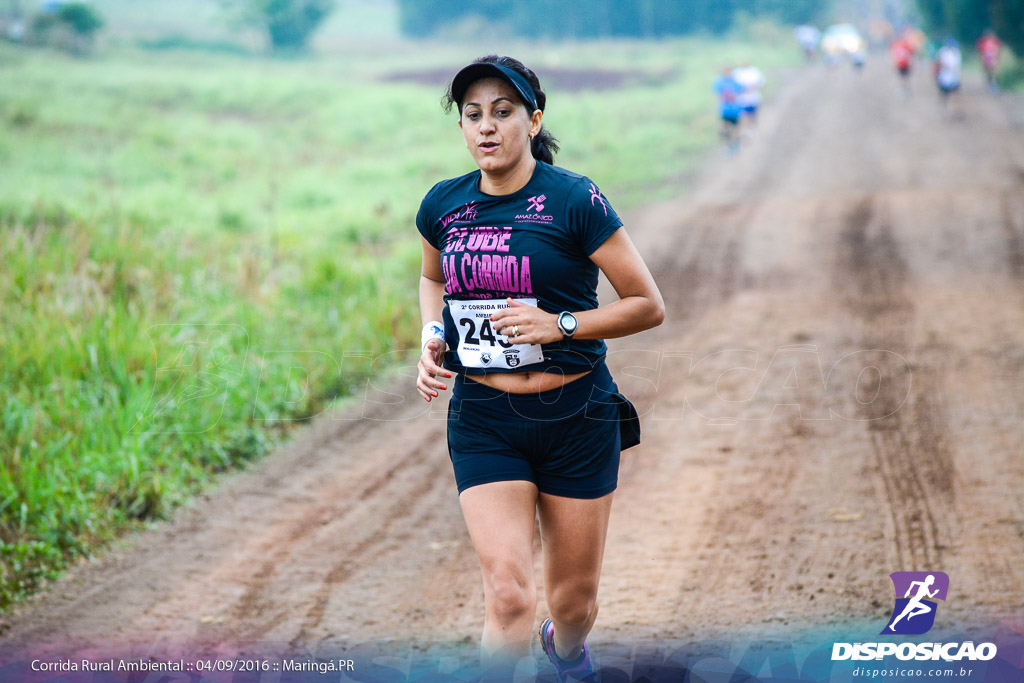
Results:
1011 72
200 249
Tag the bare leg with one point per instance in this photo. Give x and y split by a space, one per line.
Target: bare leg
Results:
573 533
918 611
911 610
500 517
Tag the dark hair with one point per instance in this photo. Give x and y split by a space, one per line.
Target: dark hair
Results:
544 145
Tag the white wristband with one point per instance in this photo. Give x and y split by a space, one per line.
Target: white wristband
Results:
432 330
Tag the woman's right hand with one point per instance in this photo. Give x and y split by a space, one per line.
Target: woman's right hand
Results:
429 369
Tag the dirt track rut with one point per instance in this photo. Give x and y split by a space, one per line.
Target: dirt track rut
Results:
835 395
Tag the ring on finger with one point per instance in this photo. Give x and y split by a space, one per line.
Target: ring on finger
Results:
515 330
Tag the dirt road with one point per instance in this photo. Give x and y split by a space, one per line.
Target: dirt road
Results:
837 394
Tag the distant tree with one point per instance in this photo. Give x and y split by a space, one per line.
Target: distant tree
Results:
713 15
792 12
962 19
1008 23
289 24
72 27
81 18
667 18
933 14
597 18
967 19
560 18
417 18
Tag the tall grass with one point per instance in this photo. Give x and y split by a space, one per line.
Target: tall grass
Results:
180 231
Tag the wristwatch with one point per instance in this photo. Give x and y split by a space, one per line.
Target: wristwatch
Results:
567 323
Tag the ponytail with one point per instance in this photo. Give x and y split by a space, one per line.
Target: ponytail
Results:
544 146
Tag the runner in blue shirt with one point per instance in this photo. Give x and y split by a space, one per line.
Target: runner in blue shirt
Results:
511 257
729 108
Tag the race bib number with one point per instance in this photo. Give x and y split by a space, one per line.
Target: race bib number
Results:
480 346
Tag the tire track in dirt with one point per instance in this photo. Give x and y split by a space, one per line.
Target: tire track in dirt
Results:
255 602
384 526
700 267
911 450
302 547
968 367
697 270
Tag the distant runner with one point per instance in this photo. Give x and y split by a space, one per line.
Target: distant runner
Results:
808 36
989 46
750 80
902 52
729 109
858 57
948 63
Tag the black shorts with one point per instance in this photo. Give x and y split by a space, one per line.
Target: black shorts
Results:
566 441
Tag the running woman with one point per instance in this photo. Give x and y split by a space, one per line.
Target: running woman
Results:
989 46
511 256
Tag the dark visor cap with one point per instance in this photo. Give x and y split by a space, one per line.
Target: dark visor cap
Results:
474 72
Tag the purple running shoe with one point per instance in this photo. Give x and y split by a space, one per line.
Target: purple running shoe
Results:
581 669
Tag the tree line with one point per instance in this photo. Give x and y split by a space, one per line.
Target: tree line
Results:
602 18
965 20
72 25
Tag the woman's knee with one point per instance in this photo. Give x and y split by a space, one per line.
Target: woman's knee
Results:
511 592
573 603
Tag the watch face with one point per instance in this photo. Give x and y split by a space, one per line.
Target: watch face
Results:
569 323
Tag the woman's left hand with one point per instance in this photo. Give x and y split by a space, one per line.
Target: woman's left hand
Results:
534 325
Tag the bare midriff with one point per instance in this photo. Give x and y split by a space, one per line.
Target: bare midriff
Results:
525 382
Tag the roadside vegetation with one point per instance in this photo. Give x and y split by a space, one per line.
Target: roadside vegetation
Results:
1011 72
201 249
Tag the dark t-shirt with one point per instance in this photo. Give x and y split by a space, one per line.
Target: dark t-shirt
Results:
534 243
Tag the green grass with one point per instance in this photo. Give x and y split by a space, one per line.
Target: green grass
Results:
180 229
1011 72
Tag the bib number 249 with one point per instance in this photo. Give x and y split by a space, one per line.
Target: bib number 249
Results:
479 345
486 333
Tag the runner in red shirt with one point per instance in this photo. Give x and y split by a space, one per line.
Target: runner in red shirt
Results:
989 47
902 52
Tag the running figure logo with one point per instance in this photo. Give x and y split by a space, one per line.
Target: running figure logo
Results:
914 613
536 203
